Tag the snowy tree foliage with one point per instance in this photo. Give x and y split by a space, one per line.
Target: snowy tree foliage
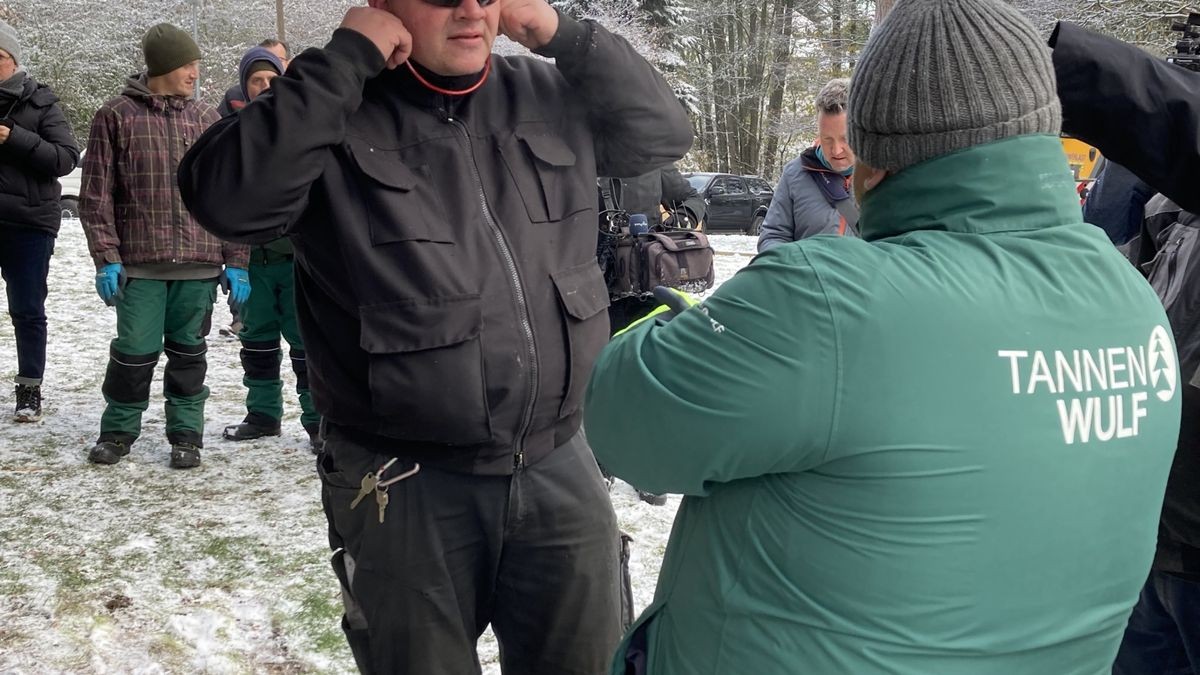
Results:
86 49
1145 23
746 70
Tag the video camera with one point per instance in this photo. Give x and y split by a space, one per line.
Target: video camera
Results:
1187 48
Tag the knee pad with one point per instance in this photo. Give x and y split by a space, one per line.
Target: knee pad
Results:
128 377
300 368
260 360
186 368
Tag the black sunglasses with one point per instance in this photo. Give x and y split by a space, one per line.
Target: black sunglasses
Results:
456 3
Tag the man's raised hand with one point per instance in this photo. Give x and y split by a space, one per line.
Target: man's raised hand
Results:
531 23
384 29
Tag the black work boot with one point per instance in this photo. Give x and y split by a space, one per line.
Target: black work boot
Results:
107 452
254 426
29 403
184 456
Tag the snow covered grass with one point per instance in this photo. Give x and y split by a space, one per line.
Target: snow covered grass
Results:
138 568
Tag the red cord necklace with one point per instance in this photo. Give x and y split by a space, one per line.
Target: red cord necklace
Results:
450 92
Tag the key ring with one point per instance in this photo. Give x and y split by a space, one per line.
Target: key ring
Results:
384 485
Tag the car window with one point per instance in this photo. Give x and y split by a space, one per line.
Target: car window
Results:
730 185
759 186
697 182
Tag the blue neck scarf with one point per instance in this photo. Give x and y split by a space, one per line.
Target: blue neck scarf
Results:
821 157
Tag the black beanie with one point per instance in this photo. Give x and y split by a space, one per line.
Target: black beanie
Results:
167 48
261 65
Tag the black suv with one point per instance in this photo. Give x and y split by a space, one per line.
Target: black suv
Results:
735 203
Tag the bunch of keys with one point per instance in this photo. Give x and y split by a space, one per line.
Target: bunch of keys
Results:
374 482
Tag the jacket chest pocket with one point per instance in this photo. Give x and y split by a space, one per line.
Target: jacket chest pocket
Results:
400 201
584 297
426 369
543 167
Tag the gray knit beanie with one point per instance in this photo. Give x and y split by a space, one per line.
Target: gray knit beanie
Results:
9 42
938 76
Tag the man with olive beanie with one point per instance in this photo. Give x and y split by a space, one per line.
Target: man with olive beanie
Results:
940 448
153 261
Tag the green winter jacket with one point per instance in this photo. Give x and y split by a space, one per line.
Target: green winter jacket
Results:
940 449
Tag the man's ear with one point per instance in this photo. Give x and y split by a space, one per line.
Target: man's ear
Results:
874 179
866 178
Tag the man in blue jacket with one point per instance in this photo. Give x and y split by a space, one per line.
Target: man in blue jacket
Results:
813 196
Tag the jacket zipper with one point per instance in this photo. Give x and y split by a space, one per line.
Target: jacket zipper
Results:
176 234
1163 265
514 278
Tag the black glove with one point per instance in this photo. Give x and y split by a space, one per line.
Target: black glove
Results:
676 301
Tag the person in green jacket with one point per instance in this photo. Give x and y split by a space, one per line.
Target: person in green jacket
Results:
938 449
270 311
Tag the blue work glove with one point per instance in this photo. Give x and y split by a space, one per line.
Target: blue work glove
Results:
110 279
236 284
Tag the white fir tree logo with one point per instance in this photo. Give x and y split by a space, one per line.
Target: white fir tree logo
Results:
1162 364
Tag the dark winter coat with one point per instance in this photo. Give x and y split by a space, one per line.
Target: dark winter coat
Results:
129 203
1144 114
446 280
1139 111
1169 253
233 101
1117 202
39 149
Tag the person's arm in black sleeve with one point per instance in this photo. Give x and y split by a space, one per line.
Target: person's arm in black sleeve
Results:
249 175
50 149
1141 112
679 196
639 124
675 188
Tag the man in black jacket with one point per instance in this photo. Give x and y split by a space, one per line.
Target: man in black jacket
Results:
1145 114
36 147
442 205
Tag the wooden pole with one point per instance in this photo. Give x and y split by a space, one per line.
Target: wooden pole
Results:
279 27
196 37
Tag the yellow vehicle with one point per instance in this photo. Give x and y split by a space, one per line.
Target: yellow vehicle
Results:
1082 158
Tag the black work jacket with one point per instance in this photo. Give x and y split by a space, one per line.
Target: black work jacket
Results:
1139 111
447 287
